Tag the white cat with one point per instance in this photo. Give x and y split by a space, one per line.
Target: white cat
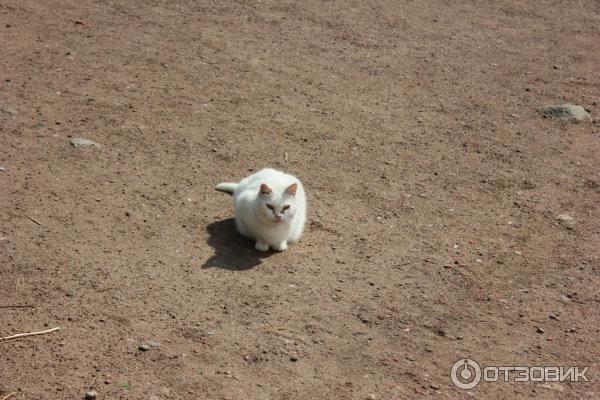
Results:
270 207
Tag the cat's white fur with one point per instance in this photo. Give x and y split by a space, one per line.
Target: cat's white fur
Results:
270 207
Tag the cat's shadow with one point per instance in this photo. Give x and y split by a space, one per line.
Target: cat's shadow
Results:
233 252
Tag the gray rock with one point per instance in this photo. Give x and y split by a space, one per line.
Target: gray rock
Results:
81 142
143 347
565 112
91 395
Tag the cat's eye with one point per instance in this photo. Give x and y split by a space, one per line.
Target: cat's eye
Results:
270 207
285 208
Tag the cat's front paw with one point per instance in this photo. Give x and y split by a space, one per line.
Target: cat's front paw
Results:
260 246
280 246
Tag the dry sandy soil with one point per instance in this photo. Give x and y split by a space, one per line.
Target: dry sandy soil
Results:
434 188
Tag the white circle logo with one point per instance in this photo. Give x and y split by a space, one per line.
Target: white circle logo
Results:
465 374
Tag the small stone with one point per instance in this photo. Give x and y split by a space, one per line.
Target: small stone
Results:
293 358
81 142
395 308
153 344
9 111
434 386
91 395
371 397
2 168
540 330
143 347
565 112
553 386
165 391
564 217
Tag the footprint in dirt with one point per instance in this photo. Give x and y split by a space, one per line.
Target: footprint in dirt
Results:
232 251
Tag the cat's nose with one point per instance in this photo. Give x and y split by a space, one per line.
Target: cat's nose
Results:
278 217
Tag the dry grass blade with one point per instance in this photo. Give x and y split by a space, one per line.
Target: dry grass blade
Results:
22 335
34 220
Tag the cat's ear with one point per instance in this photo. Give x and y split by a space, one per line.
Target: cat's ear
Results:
265 189
291 190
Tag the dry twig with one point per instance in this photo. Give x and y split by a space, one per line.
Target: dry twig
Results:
34 220
8 395
20 335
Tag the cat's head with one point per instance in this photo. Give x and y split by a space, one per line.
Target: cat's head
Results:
277 207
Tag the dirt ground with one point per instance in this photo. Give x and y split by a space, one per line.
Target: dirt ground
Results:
434 188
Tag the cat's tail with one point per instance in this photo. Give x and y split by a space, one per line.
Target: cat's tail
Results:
227 187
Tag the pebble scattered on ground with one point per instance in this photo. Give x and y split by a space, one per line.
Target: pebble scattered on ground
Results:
81 142
91 395
564 217
9 111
